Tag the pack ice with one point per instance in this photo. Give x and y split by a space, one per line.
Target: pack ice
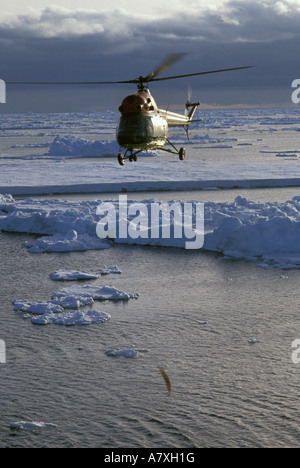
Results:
265 232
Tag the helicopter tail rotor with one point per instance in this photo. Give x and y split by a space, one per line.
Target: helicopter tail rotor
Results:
189 98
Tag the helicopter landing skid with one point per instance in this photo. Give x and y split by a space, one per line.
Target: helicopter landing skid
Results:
132 156
180 152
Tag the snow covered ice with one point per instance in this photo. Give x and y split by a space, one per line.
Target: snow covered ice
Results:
104 293
71 318
265 232
106 270
66 306
38 307
71 275
69 242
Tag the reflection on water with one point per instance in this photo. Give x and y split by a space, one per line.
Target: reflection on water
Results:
194 317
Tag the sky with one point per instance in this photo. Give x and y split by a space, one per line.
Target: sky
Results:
71 40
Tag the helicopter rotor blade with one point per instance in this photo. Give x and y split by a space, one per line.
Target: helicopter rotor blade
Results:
170 60
189 92
68 82
201 73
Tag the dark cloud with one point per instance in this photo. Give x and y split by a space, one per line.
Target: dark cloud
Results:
58 44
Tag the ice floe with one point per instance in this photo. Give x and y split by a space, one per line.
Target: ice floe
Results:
128 353
131 352
71 275
31 425
253 341
64 307
105 293
71 318
106 270
72 302
37 307
69 242
265 232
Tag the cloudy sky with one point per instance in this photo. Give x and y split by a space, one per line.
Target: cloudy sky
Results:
71 40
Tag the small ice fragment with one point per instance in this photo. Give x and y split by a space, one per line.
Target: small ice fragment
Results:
39 307
71 275
128 353
110 270
31 425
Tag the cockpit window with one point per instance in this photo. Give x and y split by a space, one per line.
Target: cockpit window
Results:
130 121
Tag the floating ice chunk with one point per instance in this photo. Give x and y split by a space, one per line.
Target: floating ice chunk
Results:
100 294
72 241
110 270
128 353
72 302
39 308
71 275
31 425
70 318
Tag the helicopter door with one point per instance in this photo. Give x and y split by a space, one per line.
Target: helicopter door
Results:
149 129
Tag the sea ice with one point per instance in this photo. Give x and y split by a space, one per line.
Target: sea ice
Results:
69 242
74 146
265 232
128 353
72 302
71 275
105 293
39 308
31 425
70 318
110 270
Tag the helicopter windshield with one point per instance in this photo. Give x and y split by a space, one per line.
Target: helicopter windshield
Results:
130 121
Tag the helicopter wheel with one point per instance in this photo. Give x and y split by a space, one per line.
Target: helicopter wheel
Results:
182 154
135 158
121 159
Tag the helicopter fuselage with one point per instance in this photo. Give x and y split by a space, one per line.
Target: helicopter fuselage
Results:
142 125
142 131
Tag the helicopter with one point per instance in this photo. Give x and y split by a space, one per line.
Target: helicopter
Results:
142 125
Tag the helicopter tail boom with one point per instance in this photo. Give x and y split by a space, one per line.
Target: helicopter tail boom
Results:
179 120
